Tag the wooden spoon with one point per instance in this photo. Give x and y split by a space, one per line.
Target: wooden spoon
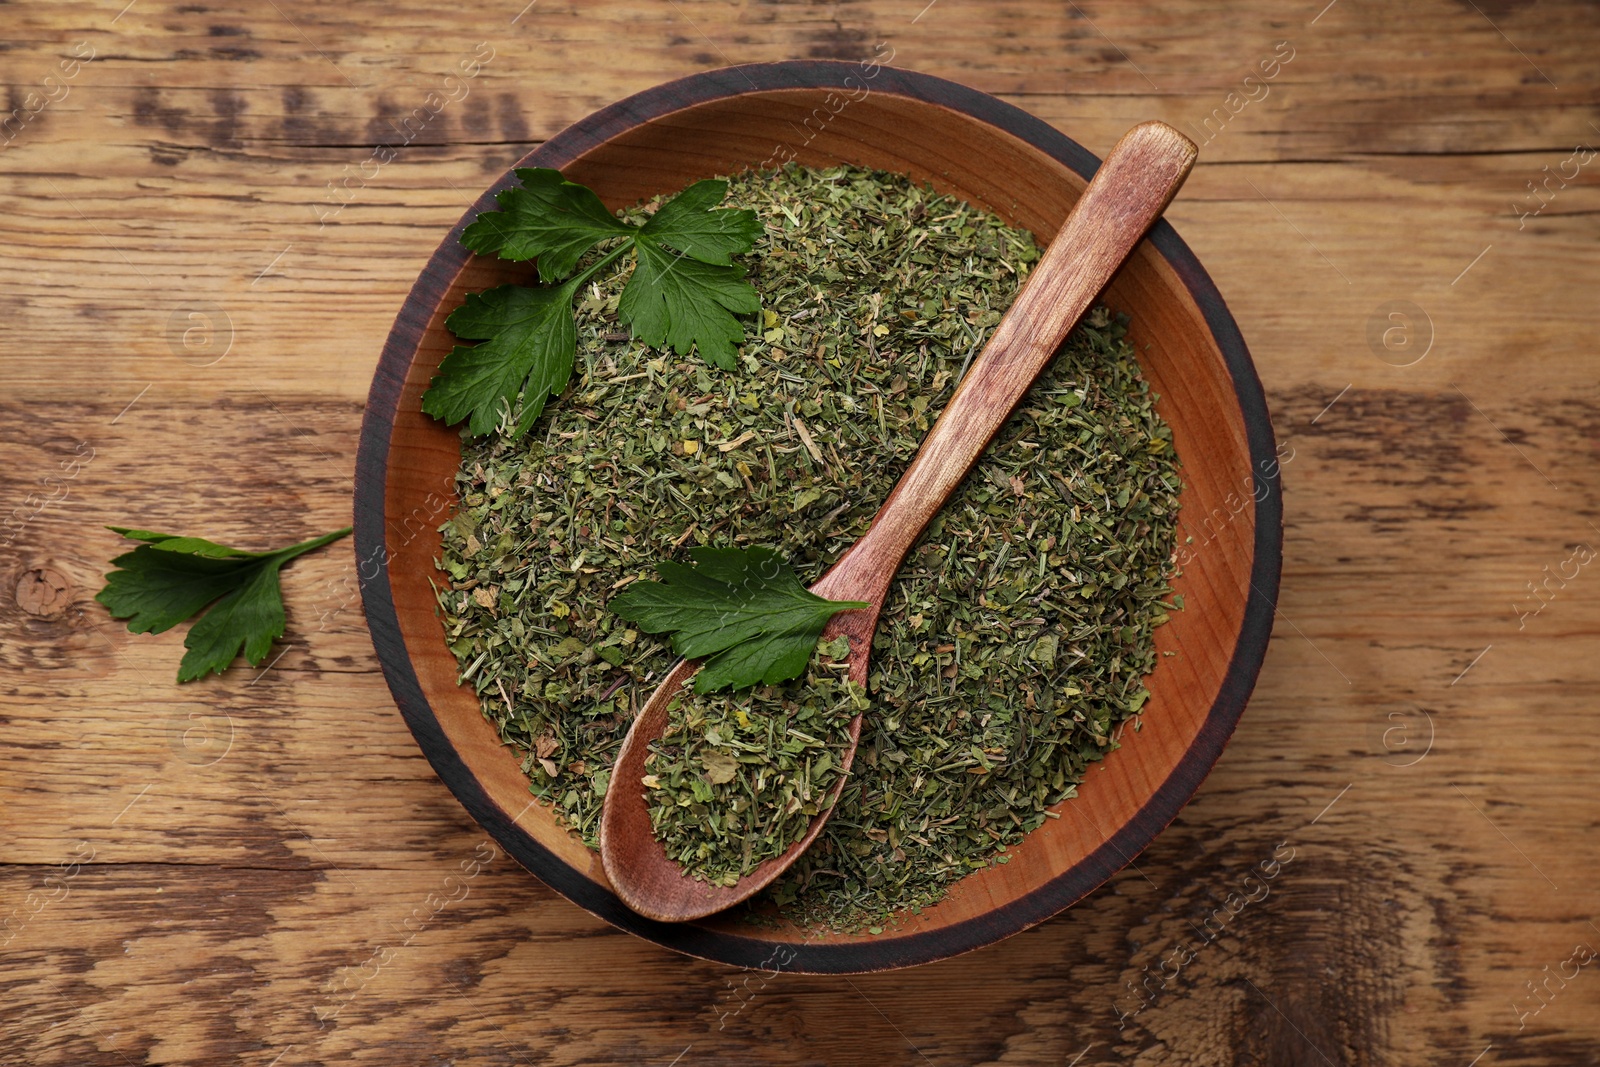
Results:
1128 193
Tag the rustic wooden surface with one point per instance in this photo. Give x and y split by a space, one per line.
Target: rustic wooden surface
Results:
252 869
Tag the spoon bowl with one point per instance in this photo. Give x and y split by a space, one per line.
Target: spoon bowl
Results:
1128 193
645 877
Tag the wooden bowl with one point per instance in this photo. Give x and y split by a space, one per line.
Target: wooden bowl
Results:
967 144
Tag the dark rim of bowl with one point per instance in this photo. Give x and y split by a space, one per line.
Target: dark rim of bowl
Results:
888 951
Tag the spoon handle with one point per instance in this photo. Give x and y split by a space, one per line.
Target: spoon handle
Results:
1127 194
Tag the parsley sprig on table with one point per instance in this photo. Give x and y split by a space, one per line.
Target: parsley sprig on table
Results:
684 292
170 578
743 608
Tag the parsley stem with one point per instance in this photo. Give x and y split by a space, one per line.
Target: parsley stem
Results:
604 261
306 546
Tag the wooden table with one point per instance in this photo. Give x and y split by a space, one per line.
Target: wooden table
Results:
201 264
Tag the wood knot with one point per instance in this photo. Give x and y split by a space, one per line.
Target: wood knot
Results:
43 591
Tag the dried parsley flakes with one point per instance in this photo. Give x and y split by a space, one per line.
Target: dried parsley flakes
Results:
736 779
1017 634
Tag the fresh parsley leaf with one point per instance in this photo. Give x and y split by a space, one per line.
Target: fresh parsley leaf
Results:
685 303
548 217
170 578
684 292
687 223
742 608
528 345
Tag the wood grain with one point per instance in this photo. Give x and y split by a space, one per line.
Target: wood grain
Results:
236 898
